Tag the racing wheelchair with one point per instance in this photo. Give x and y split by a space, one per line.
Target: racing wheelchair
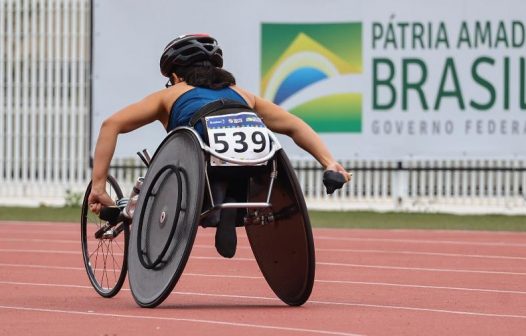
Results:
237 153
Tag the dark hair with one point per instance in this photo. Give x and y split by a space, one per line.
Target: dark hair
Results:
205 75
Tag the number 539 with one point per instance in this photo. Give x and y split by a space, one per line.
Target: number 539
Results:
257 141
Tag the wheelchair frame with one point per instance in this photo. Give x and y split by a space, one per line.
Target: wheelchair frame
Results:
293 297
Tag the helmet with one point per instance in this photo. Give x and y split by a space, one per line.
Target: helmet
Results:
189 49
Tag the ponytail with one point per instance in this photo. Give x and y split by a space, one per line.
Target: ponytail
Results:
206 75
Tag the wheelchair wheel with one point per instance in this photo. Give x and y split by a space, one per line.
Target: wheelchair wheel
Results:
105 257
284 247
166 218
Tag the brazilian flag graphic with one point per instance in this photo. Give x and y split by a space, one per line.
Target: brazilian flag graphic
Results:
313 70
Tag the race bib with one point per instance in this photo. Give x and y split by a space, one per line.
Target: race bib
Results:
240 136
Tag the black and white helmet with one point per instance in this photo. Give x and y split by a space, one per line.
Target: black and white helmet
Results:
189 49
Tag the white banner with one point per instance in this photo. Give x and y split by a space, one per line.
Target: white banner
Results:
376 78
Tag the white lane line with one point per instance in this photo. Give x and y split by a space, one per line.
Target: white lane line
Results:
318 236
39 251
245 247
437 254
424 231
175 319
76 228
36 284
65 268
317 263
31 240
246 297
419 269
22 223
456 312
422 241
484 290
47 232
247 277
316 230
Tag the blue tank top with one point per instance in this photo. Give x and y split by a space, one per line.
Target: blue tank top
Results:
191 101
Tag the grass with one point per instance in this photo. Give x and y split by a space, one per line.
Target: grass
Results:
43 214
404 220
354 219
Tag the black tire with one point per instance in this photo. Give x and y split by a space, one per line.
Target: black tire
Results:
111 252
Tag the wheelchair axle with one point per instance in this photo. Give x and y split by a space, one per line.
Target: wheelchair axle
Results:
113 232
258 218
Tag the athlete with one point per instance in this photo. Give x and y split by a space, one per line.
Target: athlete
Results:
193 66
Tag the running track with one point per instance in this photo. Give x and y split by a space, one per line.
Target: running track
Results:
368 282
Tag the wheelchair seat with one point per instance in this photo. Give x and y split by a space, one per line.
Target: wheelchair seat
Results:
238 147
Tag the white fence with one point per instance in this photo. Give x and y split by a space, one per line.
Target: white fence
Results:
44 98
44 132
455 186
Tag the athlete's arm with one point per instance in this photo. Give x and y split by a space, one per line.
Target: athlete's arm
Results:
279 120
147 110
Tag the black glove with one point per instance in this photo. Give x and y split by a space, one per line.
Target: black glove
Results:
333 180
111 214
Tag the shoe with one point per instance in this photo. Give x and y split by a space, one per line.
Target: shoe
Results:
211 220
226 238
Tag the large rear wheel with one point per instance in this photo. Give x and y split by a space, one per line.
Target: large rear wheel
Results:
284 248
166 218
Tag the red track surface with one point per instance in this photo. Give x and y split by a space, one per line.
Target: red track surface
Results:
368 282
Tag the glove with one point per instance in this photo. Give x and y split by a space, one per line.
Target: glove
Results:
333 180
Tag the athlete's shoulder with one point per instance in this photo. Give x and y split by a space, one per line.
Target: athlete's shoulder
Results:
163 99
249 97
173 92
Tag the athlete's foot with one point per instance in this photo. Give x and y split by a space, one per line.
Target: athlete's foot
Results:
226 239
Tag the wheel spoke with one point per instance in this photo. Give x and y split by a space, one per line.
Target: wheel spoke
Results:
106 265
97 255
115 263
96 250
119 245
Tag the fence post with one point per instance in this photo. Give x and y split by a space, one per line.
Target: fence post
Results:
400 178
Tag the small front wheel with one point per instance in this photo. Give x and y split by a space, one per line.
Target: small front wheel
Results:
104 247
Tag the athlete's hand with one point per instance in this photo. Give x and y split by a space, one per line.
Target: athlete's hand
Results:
335 166
98 199
334 177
